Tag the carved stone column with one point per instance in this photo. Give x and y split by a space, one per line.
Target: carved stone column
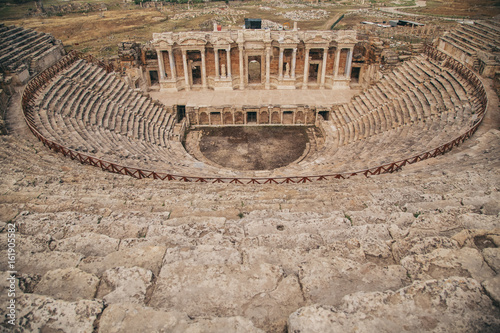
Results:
280 69
172 64
323 68
294 61
185 64
337 60
242 74
306 69
161 66
348 65
268 67
228 62
217 66
203 69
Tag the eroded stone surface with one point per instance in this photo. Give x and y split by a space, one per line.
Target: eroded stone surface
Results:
68 284
124 285
454 304
148 257
442 263
324 281
39 313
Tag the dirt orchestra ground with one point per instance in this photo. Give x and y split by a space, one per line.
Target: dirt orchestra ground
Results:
253 148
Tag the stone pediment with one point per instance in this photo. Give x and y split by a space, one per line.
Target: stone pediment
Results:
192 41
316 38
216 40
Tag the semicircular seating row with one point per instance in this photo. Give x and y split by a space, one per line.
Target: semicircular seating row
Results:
419 106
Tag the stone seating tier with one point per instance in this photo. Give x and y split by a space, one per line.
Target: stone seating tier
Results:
421 105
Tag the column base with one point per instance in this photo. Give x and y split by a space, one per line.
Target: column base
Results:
168 86
286 83
223 84
341 82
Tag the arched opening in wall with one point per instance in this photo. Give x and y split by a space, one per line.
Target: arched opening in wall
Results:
275 118
287 117
325 115
355 74
203 118
313 73
299 118
264 117
228 118
153 76
238 117
251 117
181 112
194 58
215 118
254 69
137 84
196 74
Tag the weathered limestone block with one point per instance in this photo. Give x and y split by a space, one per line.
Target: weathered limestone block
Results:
44 314
477 237
449 305
405 247
258 227
443 263
228 324
303 240
228 290
57 225
68 284
203 255
375 231
127 317
324 280
89 244
180 232
42 262
30 244
148 257
492 288
124 285
478 221
492 257
288 259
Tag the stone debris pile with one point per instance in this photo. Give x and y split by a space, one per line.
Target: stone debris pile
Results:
218 12
306 15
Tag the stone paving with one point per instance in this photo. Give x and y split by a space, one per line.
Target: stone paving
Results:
256 97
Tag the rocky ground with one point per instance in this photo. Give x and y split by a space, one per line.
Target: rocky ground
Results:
95 252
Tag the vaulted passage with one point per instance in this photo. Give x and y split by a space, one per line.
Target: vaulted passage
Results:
253 148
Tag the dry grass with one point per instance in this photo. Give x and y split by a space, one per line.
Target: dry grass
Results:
99 34
476 9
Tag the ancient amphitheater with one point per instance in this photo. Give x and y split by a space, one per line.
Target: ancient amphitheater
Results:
388 221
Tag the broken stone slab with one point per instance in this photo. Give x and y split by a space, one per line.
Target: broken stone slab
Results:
492 288
127 317
228 290
124 285
412 246
324 280
68 284
89 244
203 255
449 305
492 258
44 314
443 263
41 262
148 257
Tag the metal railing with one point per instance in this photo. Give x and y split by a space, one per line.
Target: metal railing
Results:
32 89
